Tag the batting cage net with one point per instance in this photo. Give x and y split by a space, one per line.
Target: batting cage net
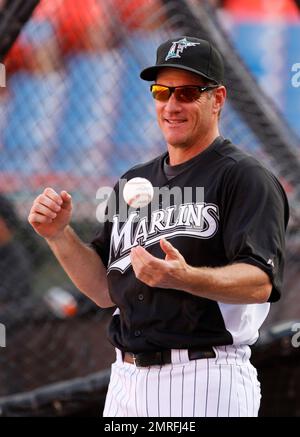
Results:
74 115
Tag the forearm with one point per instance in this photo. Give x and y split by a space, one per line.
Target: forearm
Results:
234 284
83 266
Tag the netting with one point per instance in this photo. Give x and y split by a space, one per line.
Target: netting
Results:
75 115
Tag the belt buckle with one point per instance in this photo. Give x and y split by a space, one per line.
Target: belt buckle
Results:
148 359
145 359
134 359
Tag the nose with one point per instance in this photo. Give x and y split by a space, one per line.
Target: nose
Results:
172 104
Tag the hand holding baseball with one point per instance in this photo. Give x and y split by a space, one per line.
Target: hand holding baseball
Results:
51 213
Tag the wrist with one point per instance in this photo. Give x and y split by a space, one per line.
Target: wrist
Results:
197 280
183 278
189 284
61 235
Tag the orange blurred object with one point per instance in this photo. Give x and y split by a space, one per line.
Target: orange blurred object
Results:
61 302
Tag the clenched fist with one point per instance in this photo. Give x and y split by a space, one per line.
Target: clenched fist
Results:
51 213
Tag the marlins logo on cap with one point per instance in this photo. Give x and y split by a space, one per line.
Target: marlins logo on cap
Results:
178 47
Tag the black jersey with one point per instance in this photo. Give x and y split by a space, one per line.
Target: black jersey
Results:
241 219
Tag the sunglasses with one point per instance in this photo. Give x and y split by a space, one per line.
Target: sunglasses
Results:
184 93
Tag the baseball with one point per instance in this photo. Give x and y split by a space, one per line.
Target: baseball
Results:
138 192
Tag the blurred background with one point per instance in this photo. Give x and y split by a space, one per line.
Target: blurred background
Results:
74 115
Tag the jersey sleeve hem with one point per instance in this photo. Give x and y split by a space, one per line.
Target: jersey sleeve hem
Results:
275 293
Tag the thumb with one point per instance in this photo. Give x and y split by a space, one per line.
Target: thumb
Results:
169 250
67 198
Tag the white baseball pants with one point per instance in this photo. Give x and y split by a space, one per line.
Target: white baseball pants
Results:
225 386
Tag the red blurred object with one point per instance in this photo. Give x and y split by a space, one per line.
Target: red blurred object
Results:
72 20
21 53
82 25
75 19
262 9
139 14
17 57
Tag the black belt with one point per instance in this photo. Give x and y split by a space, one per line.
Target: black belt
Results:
145 359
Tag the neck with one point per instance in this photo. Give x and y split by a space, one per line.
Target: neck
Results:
181 154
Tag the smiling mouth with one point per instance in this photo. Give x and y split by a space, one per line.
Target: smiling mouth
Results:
174 122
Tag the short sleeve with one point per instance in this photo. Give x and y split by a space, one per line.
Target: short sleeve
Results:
255 216
101 241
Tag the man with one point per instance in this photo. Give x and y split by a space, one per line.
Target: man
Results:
192 280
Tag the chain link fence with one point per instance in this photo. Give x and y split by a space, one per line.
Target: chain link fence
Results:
75 115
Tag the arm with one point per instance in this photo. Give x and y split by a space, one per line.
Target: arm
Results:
50 216
235 284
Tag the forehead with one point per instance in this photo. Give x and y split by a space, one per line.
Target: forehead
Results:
175 76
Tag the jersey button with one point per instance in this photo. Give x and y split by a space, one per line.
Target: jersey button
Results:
137 333
140 297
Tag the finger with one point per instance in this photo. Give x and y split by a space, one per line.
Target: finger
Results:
168 248
47 202
67 199
145 265
44 210
141 271
35 217
166 245
135 261
144 255
49 192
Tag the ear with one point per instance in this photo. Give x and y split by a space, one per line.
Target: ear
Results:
220 97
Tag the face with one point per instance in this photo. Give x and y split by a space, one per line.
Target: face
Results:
183 124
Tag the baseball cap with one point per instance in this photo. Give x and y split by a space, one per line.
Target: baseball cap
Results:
188 53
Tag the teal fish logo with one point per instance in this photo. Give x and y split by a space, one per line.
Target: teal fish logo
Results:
178 47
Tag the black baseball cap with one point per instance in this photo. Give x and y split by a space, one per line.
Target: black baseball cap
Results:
191 54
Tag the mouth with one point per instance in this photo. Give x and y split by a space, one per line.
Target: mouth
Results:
174 122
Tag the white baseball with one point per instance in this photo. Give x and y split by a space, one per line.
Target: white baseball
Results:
138 192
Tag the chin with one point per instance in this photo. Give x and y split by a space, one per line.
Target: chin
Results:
177 143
